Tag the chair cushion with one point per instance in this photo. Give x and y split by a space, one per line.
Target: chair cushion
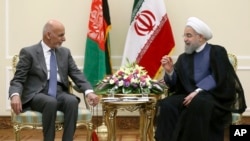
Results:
84 115
28 117
35 118
236 117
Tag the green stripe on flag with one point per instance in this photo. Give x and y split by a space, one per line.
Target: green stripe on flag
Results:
94 64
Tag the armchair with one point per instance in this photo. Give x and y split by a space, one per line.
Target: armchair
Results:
236 117
33 120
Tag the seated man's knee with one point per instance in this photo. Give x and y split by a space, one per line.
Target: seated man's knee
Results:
72 101
52 102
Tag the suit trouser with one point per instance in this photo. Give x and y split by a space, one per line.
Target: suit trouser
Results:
48 106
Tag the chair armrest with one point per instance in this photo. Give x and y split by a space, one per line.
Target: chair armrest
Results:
74 87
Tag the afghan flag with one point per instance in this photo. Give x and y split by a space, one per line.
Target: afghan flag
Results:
149 36
97 52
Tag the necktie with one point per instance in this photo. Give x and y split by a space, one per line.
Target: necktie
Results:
53 75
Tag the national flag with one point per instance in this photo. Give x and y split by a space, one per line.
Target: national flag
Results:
149 36
97 52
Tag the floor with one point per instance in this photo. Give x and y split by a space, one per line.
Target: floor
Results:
129 134
80 135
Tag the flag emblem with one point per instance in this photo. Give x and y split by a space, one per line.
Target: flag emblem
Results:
144 22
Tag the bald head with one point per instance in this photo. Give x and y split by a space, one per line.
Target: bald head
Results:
53 33
51 25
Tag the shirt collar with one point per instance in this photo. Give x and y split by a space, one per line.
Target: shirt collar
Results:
199 49
45 47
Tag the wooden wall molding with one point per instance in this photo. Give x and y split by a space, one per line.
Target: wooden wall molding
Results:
5 122
122 122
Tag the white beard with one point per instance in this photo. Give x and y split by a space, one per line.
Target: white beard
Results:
190 49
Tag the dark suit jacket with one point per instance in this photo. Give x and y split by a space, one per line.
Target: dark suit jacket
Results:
31 72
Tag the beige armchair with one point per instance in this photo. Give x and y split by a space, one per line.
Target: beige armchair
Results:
236 117
33 120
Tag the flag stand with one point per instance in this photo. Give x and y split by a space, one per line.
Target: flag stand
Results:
102 128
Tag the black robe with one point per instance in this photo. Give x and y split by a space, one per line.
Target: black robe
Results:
208 113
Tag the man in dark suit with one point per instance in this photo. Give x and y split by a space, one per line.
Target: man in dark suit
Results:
31 83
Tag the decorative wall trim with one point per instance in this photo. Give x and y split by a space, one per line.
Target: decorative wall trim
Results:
7 55
243 68
5 122
122 122
8 72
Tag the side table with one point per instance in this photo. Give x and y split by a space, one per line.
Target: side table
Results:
146 109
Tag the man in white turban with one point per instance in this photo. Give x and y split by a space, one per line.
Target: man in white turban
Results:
203 90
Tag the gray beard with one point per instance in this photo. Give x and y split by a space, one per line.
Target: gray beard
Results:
190 50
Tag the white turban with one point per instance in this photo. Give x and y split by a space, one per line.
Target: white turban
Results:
200 27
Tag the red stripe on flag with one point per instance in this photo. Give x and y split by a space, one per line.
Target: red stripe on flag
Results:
162 45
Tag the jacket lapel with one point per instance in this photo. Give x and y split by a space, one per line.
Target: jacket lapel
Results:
41 59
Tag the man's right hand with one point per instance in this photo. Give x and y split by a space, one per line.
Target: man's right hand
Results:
16 104
167 63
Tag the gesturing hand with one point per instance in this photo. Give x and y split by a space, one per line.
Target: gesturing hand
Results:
167 63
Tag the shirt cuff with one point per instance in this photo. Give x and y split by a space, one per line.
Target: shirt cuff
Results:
88 91
171 73
198 90
13 95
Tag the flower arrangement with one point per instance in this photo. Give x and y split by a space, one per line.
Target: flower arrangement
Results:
130 79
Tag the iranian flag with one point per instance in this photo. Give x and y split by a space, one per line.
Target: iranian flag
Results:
97 52
149 36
